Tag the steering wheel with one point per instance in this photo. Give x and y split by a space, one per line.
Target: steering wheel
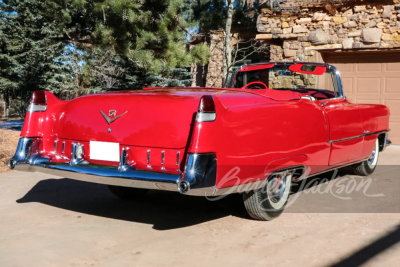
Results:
254 83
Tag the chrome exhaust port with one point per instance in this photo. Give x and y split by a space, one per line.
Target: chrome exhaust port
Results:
11 164
183 187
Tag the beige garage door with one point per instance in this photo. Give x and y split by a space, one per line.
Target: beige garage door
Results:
371 77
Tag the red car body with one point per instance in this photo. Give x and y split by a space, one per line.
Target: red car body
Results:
164 145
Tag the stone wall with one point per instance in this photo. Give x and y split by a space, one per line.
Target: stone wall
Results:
277 81
302 31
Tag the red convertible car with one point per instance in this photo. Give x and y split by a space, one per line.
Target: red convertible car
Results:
278 123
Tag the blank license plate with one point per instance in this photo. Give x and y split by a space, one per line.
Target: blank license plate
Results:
104 151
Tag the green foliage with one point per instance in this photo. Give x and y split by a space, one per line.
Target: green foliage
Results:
74 47
29 45
212 15
179 77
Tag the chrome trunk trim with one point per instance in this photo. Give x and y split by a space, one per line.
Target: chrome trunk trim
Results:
123 165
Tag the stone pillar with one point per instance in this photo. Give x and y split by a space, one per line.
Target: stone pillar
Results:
214 74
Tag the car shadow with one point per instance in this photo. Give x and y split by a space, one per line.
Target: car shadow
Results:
371 250
164 210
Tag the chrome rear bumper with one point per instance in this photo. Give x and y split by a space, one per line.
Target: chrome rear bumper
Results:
200 182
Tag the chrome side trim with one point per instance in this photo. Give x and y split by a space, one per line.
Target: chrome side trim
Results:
358 136
148 156
162 157
333 168
55 146
63 147
178 158
380 132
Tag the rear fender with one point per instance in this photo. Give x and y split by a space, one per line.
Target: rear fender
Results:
41 124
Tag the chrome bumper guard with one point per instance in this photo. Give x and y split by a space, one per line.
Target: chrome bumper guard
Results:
199 178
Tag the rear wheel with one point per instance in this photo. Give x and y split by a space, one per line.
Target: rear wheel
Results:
269 202
368 166
127 193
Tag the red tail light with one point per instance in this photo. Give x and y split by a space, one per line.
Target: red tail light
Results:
206 109
207 104
38 102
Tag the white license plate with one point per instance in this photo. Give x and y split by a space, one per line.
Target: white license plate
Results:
104 151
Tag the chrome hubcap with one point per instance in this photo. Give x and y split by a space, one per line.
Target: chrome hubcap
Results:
372 157
276 187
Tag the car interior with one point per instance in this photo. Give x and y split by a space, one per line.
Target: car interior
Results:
309 80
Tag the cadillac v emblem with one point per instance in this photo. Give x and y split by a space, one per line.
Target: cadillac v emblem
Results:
111 113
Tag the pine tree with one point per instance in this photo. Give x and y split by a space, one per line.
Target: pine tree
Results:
32 54
150 39
74 47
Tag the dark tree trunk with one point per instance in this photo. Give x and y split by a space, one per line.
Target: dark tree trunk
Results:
227 57
7 103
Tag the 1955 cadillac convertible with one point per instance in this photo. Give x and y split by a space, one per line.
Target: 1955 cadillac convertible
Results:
278 123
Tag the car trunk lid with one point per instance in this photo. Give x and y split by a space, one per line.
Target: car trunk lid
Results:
138 118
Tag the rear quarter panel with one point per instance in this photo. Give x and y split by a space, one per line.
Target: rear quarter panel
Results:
375 119
252 137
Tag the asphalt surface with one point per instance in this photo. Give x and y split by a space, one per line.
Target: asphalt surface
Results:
53 221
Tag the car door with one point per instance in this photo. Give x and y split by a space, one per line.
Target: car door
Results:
345 130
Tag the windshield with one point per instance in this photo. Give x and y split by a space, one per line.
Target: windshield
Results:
314 80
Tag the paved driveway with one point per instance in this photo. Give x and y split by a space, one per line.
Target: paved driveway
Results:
61 222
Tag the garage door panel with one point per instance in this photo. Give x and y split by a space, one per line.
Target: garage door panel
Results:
392 85
368 85
347 85
345 68
393 67
394 106
394 134
363 67
367 101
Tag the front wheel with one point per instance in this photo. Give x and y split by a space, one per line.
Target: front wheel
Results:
368 166
269 202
